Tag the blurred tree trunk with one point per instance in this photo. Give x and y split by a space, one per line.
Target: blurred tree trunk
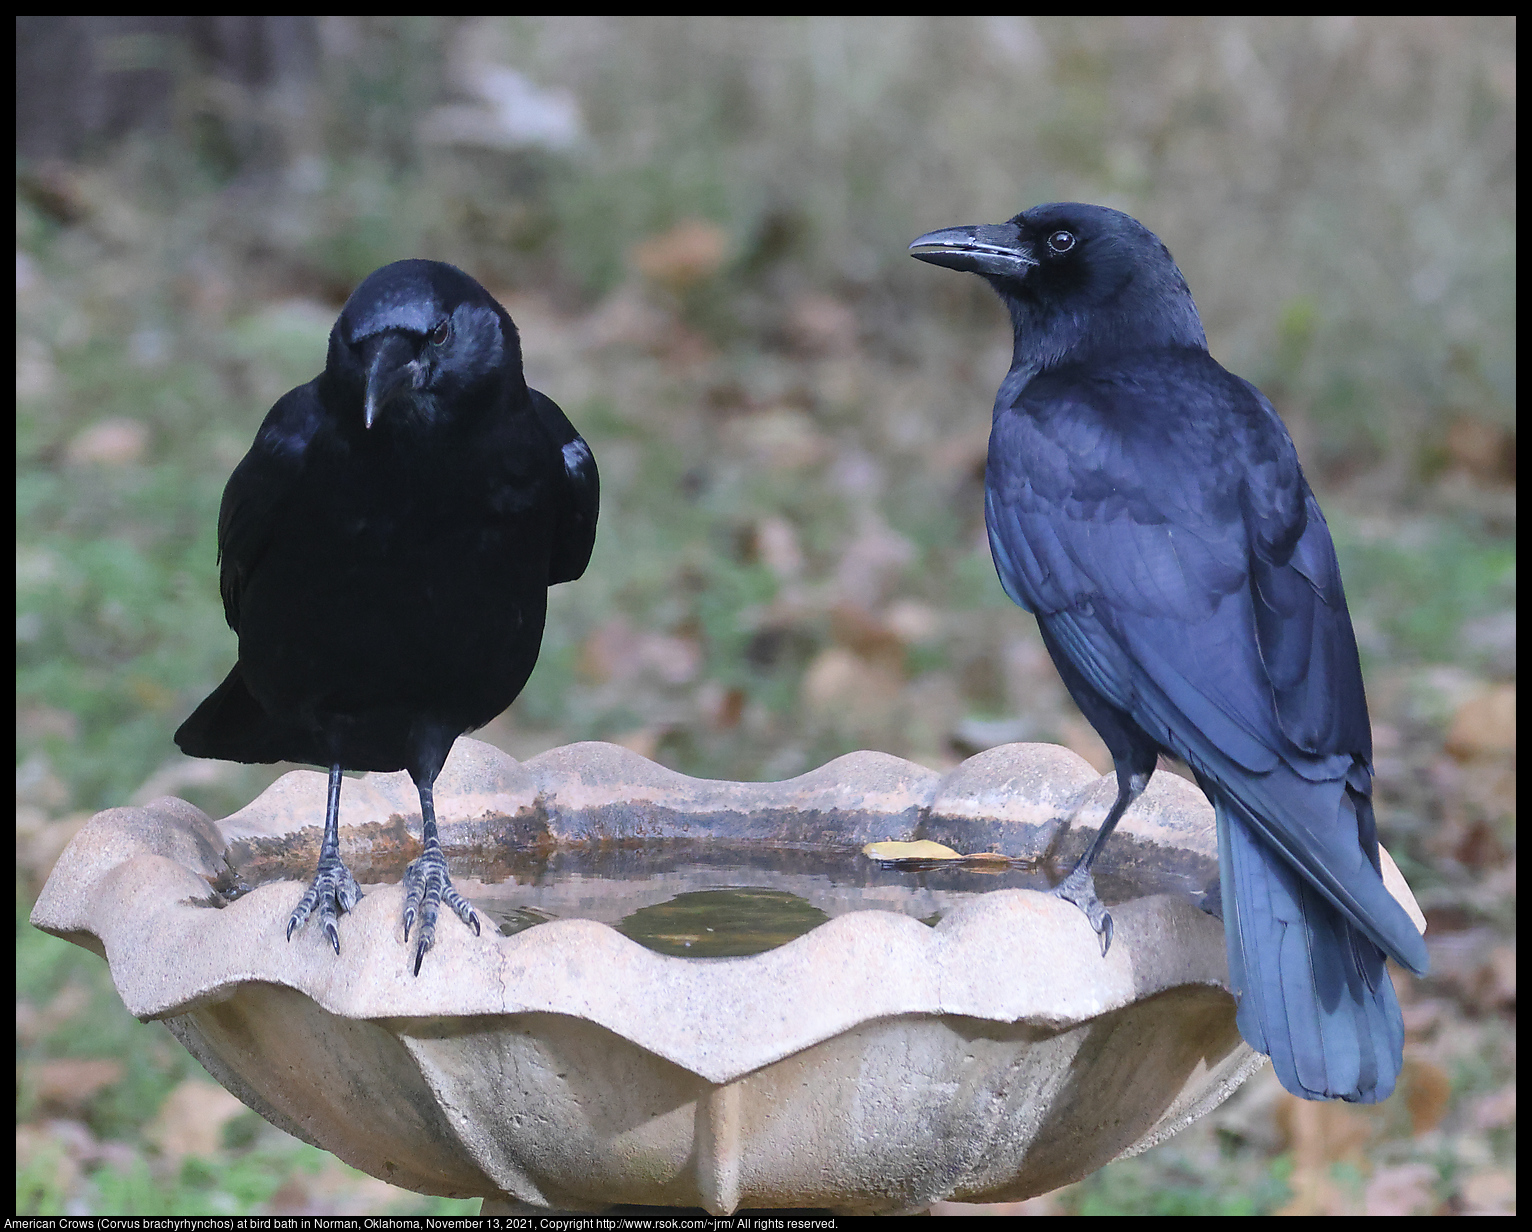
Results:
83 82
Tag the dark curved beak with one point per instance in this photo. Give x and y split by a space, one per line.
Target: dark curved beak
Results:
994 249
391 366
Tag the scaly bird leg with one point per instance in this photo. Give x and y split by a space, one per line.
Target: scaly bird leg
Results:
1079 887
427 885
333 889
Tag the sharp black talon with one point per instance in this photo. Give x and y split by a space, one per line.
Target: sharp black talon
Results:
332 893
1079 888
427 889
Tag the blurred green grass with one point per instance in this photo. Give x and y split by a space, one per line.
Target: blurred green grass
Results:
120 630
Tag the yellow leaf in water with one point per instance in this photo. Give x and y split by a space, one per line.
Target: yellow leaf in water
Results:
925 849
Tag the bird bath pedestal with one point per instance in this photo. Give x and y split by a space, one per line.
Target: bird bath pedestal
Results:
876 1063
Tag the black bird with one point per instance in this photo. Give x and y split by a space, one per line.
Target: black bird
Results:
386 549
1147 506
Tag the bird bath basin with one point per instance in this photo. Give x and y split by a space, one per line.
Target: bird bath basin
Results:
699 993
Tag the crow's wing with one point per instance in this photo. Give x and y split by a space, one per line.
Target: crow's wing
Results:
229 723
580 494
1155 519
258 489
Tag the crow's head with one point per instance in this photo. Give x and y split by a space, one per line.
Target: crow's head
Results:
420 342
1078 279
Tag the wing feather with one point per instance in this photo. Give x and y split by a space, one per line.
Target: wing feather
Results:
260 485
575 535
1125 516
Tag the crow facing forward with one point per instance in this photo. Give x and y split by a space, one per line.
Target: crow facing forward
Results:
386 549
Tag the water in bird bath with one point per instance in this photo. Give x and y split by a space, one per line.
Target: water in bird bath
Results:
706 898
747 1073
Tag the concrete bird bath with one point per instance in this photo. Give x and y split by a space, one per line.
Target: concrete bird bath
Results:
876 1063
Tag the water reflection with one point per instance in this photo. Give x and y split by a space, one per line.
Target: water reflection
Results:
711 898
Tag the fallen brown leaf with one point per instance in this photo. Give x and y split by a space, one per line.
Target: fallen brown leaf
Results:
688 253
72 1083
1484 725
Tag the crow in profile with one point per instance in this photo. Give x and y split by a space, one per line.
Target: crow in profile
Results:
385 550
1148 508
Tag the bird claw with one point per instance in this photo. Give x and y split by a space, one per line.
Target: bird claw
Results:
1079 888
332 892
426 887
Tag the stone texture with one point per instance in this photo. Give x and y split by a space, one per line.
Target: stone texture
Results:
1014 798
874 1064
596 792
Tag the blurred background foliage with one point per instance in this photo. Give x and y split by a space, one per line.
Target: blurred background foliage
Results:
700 226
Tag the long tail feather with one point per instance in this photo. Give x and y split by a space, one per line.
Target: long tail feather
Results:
1312 990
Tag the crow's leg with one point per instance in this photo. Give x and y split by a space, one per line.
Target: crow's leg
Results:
427 885
333 889
1079 887
1134 755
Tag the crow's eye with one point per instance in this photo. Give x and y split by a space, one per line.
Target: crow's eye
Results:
1061 241
439 335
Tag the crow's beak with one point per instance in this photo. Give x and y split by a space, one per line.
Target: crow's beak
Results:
391 372
996 250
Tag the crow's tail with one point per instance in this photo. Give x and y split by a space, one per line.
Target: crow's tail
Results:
1312 990
230 725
